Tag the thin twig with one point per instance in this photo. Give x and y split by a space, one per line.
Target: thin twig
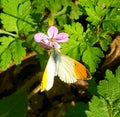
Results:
35 90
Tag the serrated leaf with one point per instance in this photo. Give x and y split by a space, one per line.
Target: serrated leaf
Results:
75 31
72 47
98 108
10 9
104 39
14 106
18 51
18 13
25 23
5 59
104 42
111 86
117 73
111 22
4 43
91 57
109 103
110 90
96 10
75 12
93 17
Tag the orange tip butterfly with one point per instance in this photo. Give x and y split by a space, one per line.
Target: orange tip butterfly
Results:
68 70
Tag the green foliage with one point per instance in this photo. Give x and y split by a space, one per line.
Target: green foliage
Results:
107 101
89 24
108 104
77 110
15 18
10 48
98 107
75 32
18 51
91 57
14 106
18 13
79 45
62 11
103 12
5 54
24 15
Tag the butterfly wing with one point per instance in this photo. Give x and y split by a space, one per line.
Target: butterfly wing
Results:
48 75
69 70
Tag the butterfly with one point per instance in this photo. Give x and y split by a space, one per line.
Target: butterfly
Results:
66 68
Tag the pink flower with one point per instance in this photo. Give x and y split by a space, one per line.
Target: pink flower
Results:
52 38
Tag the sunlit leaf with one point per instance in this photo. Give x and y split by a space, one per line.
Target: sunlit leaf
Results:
18 51
91 57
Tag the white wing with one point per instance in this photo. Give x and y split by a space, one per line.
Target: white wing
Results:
65 69
48 76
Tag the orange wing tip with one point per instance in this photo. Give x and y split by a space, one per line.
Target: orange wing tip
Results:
80 71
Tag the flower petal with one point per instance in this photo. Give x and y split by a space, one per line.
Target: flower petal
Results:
52 32
62 37
40 37
56 45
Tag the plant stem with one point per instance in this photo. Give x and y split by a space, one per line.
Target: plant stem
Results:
8 33
60 12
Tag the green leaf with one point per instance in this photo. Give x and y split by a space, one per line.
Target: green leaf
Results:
5 59
111 22
14 106
98 108
18 13
62 19
10 12
104 42
25 23
117 73
93 17
107 104
91 57
18 51
75 31
72 47
110 90
104 39
115 3
75 12
77 110
5 42
111 86
96 10
90 10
